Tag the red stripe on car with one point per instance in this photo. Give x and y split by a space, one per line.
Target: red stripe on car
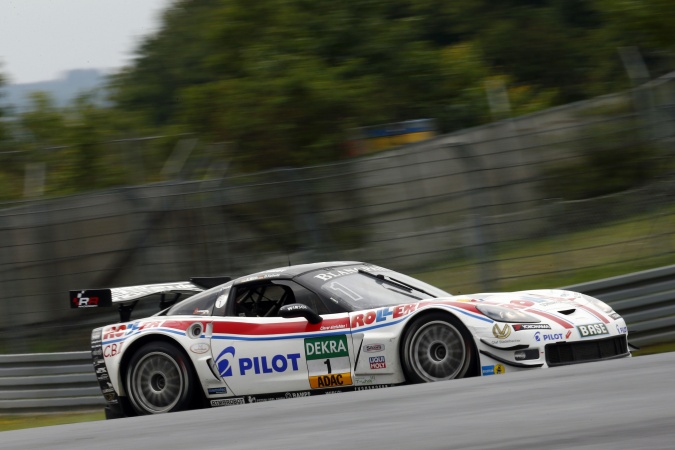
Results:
558 320
595 313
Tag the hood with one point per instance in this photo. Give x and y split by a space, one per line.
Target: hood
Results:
563 304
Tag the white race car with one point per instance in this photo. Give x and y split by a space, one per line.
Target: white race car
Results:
329 327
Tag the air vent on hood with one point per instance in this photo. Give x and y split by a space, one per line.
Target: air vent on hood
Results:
567 312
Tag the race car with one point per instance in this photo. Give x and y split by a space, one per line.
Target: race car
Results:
328 327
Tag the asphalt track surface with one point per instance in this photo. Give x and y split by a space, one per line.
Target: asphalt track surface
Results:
619 404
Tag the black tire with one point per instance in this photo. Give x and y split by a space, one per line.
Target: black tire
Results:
159 379
436 347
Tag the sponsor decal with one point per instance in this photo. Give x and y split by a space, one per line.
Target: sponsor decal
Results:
272 397
222 299
330 380
497 369
124 330
276 363
346 271
111 350
375 386
621 330
223 363
200 348
531 326
217 390
594 329
384 314
297 394
256 365
568 334
228 402
90 298
377 362
538 336
265 274
504 342
615 316
328 363
333 327
326 347
360 381
371 317
373 348
501 333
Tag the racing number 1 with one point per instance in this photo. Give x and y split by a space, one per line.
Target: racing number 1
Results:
327 363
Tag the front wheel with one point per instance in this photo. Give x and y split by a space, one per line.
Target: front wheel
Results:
436 347
159 379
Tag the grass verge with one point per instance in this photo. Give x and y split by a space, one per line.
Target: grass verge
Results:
18 422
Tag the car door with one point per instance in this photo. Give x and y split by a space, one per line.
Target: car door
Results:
257 352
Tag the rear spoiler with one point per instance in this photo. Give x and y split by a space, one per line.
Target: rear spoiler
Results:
127 297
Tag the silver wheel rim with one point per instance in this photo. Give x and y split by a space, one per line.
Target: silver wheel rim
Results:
156 383
437 351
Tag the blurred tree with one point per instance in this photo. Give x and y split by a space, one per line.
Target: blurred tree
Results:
285 79
647 25
3 127
9 177
43 124
282 81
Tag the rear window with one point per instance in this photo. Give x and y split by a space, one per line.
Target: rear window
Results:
197 305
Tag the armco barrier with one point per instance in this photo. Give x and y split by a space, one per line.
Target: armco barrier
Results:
645 299
48 382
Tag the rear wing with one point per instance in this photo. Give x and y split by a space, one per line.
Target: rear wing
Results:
127 297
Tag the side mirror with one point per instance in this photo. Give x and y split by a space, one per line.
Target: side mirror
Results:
300 310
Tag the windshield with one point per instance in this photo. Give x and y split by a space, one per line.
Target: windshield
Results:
365 286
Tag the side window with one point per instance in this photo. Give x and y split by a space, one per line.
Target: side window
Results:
309 298
264 299
260 299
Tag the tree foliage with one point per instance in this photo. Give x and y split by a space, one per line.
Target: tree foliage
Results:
282 81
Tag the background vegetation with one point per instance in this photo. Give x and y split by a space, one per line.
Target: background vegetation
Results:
281 81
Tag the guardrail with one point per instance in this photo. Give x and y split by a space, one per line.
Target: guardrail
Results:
48 382
645 299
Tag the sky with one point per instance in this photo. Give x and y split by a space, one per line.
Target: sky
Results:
40 40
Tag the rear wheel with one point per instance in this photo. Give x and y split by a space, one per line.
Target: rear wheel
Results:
159 379
436 347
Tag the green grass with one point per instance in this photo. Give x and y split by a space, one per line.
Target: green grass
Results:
653 349
19 422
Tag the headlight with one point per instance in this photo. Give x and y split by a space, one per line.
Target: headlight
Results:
598 304
501 314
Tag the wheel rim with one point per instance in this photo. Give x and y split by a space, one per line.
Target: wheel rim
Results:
437 351
157 383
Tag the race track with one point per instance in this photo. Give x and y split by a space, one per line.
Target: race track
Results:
620 404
